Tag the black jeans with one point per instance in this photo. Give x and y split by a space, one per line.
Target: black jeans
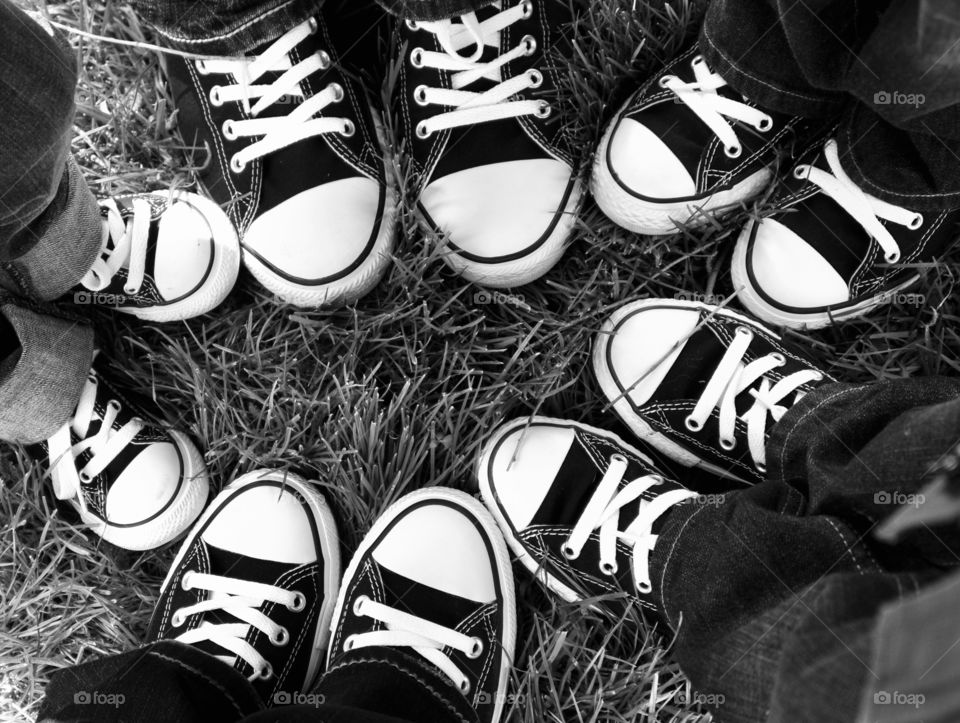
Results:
774 591
233 27
168 682
889 70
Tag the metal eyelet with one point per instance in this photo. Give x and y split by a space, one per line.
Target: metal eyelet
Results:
608 568
644 587
801 171
299 603
358 604
733 151
229 132
266 672
420 95
744 331
314 25
185 580
337 92
544 110
568 552
177 620
916 222
477 650
325 61
465 687
727 444
422 131
348 643
617 457
237 166
536 78
765 124
527 9
779 358
412 25
692 424
85 477
666 79
892 258
283 637
416 57
348 128
215 98
696 60
761 467
201 66
529 44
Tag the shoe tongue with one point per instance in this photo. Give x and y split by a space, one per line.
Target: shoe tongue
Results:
426 602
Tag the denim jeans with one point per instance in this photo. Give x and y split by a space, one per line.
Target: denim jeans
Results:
774 592
168 682
49 232
889 71
234 27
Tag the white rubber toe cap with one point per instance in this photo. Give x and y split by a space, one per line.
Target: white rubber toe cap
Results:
184 250
500 209
146 486
639 353
319 233
438 546
646 166
266 522
791 272
524 466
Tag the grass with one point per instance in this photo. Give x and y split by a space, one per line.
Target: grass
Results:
397 392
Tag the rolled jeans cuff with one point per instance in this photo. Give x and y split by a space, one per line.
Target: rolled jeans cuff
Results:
430 10
39 393
69 234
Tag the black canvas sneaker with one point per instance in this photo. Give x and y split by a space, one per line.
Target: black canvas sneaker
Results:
297 154
686 147
496 172
831 251
135 484
433 579
255 582
579 506
700 383
164 256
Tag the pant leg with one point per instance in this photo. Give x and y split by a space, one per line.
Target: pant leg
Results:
773 591
165 682
49 223
375 685
46 361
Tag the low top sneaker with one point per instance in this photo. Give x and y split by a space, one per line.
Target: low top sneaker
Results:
135 484
579 506
255 582
164 256
831 251
684 148
497 175
700 383
433 580
298 155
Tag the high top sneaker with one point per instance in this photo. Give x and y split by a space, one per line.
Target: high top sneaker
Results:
135 484
297 153
255 582
832 251
496 172
701 384
686 147
164 256
432 581
579 506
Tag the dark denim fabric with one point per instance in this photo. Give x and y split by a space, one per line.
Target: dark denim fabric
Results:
234 27
774 591
168 682
890 70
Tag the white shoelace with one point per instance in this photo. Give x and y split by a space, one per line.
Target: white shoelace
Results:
702 98
281 131
130 241
426 638
603 512
240 599
865 209
104 446
472 107
731 378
